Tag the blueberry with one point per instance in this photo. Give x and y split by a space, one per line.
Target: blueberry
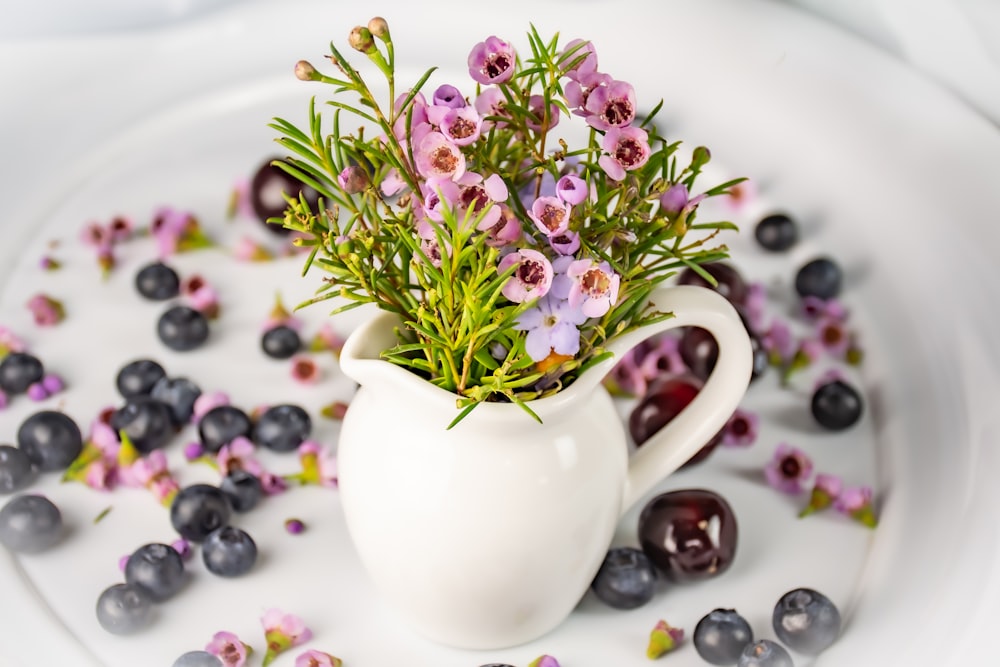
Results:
820 278
138 377
765 653
776 232
198 510
229 552
721 635
30 524
626 580
221 425
836 405
280 342
50 439
157 282
805 620
123 609
282 428
182 328
157 569
146 421
197 659
18 371
179 394
243 490
16 471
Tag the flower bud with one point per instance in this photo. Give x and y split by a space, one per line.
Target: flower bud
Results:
304 71
353 180
701 156
361 40
379 27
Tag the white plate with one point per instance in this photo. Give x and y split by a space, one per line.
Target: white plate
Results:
888 174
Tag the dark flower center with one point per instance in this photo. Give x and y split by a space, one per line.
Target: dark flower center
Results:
475 198
628 152
530 273
444 160
739 427
552 217
832 334
595 283
496 64
790 467
462 128
618 112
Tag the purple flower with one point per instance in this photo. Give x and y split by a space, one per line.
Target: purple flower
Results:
574 51
46 310
437 157
228 648
461 126
778 342
531 279
476 195
448 96
566 243
677 199
193 451
755 306
183 547
536 105
595 287
628 149
627 377
492 61
294 526
550 215
237 455
611 106
788 469
53 384
439 194
814 308
314 658
36 391
572 189
551 326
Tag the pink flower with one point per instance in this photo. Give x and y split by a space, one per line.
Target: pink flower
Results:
145 469
663 357
101 475
579 90
537 121
392 183
741 429
627 149
581 56
826 489
305 370
480 197
9 342
207 401
755 306
282 631
572 189
788 469
505 231
228 648
319 465
778 342
531 279
833 336
491 102
418 105
677 200
611 106
663 639
327 339
314 658
492 61
595 287
814 307
353 179
46 311
461 126
856 502
550 215
271 484
544 661
437 157
238 455
248 250
120 228
566 243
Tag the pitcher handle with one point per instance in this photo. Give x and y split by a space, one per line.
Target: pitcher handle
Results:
686 433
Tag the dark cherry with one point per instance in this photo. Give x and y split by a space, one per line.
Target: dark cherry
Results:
267 190
699 351
690 535
730 283
664 400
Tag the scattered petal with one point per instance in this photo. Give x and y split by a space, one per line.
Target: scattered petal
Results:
663 639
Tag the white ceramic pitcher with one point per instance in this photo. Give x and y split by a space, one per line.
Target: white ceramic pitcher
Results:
487 535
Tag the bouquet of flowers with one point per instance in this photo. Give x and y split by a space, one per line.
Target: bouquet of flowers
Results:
509 255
